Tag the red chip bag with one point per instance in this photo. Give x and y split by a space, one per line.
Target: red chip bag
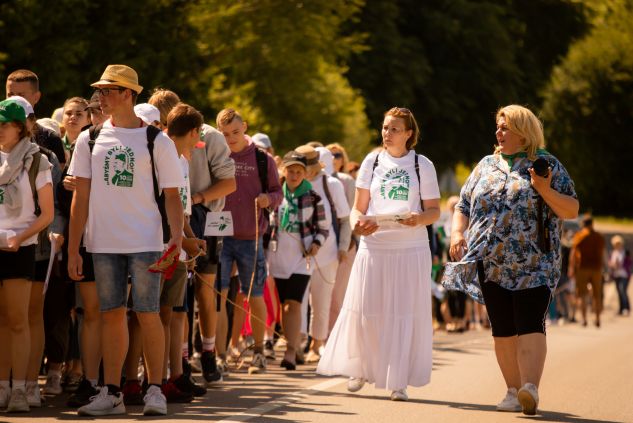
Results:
166 264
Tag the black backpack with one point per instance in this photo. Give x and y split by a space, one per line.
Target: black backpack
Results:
152 133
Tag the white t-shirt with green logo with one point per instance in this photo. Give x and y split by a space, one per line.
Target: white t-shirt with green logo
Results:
27 215
123 216
185 190
394 189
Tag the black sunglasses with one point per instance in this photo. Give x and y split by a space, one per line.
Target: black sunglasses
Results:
106 91
337 155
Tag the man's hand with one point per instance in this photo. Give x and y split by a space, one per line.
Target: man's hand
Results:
177 242
263 201
458 246
70 183
194 246
75 266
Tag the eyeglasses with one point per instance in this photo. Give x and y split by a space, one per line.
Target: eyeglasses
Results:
106 91
337 155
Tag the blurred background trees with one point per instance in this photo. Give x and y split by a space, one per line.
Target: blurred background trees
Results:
327 70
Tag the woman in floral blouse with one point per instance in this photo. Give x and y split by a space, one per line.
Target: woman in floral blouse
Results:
508 259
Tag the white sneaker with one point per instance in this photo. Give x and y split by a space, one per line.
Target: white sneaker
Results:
510 402
53 385
258 365
33 396
103 404
5 394
18 402
354 384
528 397
155 402
399 395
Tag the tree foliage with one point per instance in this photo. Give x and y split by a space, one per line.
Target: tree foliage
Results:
588 113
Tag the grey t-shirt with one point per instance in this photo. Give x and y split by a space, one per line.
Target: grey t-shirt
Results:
210 164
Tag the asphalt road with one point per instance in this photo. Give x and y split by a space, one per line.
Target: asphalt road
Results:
588 378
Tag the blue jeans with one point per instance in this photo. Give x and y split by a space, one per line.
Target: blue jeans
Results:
111 275
622 285
242 252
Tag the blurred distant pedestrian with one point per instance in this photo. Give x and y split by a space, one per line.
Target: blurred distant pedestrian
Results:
620 273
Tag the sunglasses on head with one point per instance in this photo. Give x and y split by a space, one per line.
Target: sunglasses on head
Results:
337 155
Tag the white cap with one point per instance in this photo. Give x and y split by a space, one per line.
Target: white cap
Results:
148 113
28 109
51 124
262 140
326 157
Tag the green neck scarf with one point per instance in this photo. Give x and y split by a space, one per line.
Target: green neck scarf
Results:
66 142
521 154
293 205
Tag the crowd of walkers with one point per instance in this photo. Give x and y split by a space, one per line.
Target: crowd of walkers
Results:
140 246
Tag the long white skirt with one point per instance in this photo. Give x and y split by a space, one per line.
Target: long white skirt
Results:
384 332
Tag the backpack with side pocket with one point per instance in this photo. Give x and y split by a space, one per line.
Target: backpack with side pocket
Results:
152 133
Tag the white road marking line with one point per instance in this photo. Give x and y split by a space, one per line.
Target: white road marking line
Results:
262 409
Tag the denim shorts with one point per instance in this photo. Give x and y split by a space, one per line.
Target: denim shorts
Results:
111 275
242 252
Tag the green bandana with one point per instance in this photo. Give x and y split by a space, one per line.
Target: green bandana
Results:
66 142
293 206
510 157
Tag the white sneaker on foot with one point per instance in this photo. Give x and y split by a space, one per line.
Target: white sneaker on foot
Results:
155 402
510 402
399 395
18 402
528 397
354 384
53 385
33 396
5 394
103 404
258 365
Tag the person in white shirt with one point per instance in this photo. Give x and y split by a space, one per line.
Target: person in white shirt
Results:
20 223
384 332
114 203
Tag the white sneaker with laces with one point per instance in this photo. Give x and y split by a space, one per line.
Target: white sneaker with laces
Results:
18 402
5 394
223 366
399 395
510 402
258 365
155 402
528 397
53 385
33 396
103 404
354 384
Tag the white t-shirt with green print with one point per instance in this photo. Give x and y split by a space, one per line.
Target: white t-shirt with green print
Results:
123 215
394 189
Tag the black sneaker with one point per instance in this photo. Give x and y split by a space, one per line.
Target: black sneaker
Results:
210 368
82 395
175 395
186 383
186 367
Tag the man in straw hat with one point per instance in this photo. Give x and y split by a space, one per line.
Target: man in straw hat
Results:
124 232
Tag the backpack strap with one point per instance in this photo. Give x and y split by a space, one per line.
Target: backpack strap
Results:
33 171
262 168
152 133
335 223
93 133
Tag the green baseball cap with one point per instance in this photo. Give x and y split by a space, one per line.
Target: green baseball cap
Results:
11 111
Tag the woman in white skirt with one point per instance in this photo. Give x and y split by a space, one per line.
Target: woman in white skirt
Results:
384 333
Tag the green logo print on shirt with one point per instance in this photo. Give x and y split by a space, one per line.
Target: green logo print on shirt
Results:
395 185
118 167
1 196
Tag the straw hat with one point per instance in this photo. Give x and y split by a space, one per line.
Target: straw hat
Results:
121 75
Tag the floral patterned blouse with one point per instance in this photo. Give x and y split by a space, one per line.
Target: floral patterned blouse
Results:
501 206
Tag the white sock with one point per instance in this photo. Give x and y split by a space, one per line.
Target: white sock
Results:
208 344
20 385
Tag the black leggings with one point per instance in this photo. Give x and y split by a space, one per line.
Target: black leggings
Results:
516 312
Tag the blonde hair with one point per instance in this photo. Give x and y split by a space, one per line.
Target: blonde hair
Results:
524 123
409 123
617 239
336 147
164 100
226 116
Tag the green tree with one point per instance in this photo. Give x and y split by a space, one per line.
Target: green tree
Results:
282 64
70 43
588 114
